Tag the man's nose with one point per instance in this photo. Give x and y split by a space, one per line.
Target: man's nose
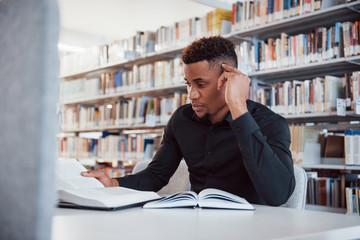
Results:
193 93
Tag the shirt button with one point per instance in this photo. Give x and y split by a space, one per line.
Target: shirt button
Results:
208 153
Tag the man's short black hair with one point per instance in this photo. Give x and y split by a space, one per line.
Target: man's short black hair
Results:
216 50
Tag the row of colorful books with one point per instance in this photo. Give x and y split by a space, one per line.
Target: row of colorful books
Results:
145 77
321 44
324 191
110 147
308 96
183 32
149 111
335 190
244 14
250 13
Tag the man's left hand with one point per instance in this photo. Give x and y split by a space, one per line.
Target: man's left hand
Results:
237 87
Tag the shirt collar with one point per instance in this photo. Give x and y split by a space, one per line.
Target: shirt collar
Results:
228 118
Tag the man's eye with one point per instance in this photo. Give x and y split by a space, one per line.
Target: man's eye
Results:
187 83
201 84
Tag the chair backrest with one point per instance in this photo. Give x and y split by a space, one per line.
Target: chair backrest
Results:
298 197
177 183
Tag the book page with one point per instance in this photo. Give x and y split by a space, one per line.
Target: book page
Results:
180 199
68 176
215 198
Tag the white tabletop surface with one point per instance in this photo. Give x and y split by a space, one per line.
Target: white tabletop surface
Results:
188 223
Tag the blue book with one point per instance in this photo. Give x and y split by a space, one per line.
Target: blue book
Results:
338 28
270 7
306 40
257 57
118 79
328 40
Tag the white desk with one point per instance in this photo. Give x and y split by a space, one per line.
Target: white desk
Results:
186 223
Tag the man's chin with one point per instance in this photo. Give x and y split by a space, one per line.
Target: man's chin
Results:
202 116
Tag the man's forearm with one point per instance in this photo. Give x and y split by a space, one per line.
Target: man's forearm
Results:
267 159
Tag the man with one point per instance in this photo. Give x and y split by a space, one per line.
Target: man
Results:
227 141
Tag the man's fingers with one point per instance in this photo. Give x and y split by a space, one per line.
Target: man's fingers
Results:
231 69
93 173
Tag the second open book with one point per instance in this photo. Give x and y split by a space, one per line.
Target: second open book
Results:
207 198
75 190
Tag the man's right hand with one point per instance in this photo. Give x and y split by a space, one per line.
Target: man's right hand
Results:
102 177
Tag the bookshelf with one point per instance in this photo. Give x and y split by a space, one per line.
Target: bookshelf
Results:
333 66
301 24
149 92
329 166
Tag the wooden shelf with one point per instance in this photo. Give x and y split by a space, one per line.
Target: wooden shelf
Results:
113 128
132 93
329 117
329 166
165 54
310 70
91 161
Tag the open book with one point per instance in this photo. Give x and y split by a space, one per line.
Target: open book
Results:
77 191
207 198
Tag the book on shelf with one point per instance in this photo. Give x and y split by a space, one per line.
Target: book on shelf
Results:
352 147
207 198
334 146
352 200
76 191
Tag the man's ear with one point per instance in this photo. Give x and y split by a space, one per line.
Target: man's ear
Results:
221 81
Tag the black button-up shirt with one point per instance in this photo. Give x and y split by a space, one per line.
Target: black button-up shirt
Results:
248 156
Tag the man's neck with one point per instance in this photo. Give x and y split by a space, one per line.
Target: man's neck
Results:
220 115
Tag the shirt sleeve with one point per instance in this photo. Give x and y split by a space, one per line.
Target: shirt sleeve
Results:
161 168
266 156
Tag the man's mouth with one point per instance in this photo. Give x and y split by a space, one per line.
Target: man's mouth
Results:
197 107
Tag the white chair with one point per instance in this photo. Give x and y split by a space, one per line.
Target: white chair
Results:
298 197
177 183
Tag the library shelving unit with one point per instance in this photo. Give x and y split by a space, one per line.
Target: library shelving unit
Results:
295 25
304 24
